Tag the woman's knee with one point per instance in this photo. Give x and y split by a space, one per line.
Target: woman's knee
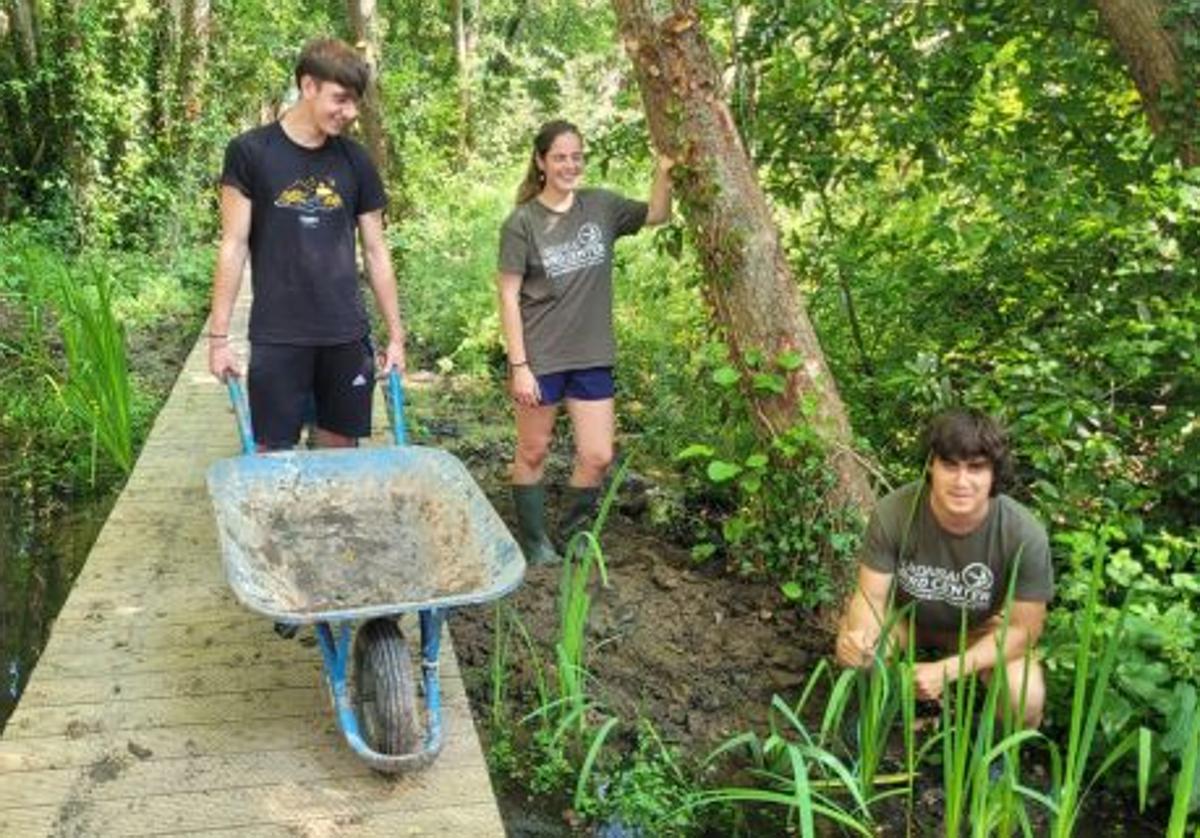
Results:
595 457
532 450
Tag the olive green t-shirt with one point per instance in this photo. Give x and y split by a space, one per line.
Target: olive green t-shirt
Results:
945 573
565 262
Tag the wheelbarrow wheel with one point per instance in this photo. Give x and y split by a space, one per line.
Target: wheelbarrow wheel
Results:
384 689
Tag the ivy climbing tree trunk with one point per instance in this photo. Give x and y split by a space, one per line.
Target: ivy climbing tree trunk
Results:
749 283
1150 36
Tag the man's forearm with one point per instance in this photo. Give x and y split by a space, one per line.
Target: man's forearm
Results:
227 280
383 285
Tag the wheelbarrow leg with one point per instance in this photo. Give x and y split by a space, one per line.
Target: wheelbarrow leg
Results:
431 643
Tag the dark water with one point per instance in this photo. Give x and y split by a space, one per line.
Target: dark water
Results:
43 545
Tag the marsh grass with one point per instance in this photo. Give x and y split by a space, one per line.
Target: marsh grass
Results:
1070 781
1184 782
96 388
582 556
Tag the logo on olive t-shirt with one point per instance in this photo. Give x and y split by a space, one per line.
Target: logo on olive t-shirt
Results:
584 251
969 588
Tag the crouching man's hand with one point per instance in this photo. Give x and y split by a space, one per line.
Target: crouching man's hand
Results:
855 648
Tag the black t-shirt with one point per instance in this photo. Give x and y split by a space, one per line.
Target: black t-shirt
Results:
306 204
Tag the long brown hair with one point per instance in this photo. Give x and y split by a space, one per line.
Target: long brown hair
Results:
534 177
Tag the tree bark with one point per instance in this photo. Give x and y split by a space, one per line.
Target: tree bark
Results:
365 25
1152 48
25 24
750 285
193 58
462 56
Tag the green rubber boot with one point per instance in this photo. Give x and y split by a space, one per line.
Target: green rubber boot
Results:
530 502
579 504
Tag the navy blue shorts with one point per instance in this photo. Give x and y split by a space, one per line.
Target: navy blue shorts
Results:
587 385
285 382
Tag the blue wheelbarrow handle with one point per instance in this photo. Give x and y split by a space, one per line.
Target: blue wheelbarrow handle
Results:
395 400
241 409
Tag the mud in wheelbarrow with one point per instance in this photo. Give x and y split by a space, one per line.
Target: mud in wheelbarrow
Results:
338 536
358 533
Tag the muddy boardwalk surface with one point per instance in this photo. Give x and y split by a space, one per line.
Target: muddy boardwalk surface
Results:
161 706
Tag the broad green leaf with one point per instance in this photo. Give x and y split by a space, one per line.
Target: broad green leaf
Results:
720 471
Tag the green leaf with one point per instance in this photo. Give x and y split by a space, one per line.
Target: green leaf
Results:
788 360
750 484
695 452
725 376
769 382
720 471
791 590
756 461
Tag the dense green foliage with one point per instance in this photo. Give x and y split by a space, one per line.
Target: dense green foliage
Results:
1019 243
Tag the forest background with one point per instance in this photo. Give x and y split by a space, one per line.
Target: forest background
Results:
977 203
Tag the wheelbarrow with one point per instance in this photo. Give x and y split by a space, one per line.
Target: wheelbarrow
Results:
336 538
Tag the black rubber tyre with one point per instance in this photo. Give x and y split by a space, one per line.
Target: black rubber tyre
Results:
385 696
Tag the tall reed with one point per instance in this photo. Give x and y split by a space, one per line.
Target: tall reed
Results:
1185 782
1070 781
97 388
583 554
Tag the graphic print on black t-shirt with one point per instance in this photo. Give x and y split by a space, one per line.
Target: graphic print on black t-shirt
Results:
312 194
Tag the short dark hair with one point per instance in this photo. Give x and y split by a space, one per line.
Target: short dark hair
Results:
329 59
963 433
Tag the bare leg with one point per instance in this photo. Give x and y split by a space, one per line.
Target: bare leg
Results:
594 424
535 429
329 439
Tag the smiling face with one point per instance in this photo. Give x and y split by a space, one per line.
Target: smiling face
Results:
331 106
959 491
562 164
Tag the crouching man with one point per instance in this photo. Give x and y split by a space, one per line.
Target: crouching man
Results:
950 543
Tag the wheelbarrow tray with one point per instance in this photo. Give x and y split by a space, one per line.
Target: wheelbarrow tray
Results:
347 534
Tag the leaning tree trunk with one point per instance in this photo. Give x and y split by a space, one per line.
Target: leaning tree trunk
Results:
750 286
365 26
1152 46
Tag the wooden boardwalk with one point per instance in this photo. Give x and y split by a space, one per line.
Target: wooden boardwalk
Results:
162 707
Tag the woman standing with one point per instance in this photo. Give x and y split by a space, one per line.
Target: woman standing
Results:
555 293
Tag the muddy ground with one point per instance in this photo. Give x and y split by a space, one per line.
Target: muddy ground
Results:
698 652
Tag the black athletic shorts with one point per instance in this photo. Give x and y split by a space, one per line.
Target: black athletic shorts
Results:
286 382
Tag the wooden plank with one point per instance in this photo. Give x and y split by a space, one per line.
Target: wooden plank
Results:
261 674
473 819
120 774
85 748
272 812
115 714
166 645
